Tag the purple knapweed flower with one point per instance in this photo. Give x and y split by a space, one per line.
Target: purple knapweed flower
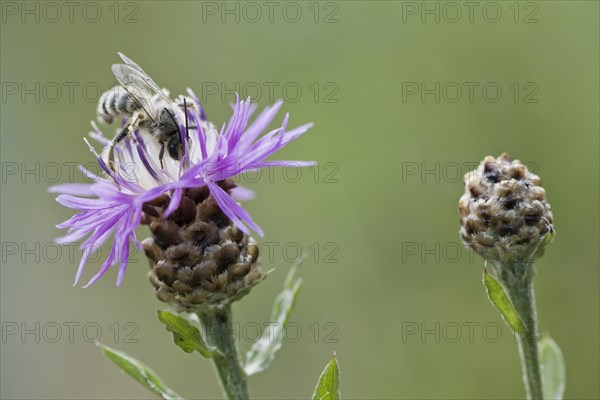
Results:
138 188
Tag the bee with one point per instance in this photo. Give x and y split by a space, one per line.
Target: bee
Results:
146 108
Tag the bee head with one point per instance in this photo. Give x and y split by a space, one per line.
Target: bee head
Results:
175 148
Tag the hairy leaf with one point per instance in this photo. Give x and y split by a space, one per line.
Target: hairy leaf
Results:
140 372
262 353
501 301
553 369
185 335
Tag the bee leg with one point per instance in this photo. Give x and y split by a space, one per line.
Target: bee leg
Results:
161 155
111 151
122 135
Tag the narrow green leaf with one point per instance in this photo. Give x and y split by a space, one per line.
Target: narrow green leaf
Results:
328 386
553 369
140 372
185 335
262 353
500 300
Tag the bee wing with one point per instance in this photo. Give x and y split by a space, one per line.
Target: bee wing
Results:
141 74
131 63
136 86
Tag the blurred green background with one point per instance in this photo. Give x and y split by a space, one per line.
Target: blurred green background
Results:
390 288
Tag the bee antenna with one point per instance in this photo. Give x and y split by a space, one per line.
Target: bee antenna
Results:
170 115
187 131
173 118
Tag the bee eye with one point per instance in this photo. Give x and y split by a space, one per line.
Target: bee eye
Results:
174 149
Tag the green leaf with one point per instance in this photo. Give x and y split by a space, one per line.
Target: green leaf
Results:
140 372
328 386
500 300
548 238
185 335
262 353
553 369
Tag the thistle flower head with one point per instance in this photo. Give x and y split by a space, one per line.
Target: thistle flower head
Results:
200 249
504 215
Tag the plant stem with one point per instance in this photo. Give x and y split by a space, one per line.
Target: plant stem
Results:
517 279
217 328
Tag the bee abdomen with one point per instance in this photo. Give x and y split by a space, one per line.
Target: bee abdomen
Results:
115 102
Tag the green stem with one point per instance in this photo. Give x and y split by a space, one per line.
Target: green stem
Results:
517 279
218 331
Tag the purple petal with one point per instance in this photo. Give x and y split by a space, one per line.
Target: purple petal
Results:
104 268
90 175
97 242
100 161
233 210
174 203
287 164
142 152
98 136
201 134
124 259
242 193
78 189
82 203
259 125
198 104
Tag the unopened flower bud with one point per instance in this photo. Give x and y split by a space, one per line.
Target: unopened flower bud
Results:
504 215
